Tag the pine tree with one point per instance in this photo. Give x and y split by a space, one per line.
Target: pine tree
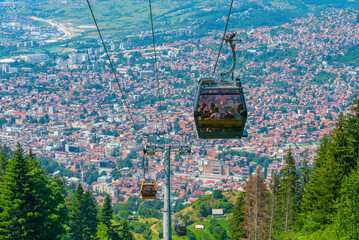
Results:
191 235
90 216
3 164
305 174
125 231
105 217
274 187
236 222
103 232
49 216
31 204
32 160
222 236
348 207
289 193
76 214
322 193
83 221
106 212
256 207
7 151
15 198
336 159
333 180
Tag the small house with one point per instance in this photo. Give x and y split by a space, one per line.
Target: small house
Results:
199 227
217 213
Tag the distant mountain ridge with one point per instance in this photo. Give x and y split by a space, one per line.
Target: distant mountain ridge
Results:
132 16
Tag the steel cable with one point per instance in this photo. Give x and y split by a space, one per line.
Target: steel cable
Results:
224 34
113 69
156 65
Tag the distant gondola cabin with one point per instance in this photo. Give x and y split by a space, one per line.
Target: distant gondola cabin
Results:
148 189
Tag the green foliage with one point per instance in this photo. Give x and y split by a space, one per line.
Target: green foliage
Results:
110 133
122 163
69 131
226 206
251 157
236 222
107 228
91 175
347 217
138 227
31 204
278 55
146 212
83 221
204 210
2 121
217 194
116 174
3 163
191 235
205 237
324 78
147 235
106 212
6 150
217 230
281 84
323 203
50 166
103 232
337 157
122 210
288 194
125 231
305 174
178 206
93 86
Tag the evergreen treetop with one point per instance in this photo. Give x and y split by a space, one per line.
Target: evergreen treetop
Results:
31 204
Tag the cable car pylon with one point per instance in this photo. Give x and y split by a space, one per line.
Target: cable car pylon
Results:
159 146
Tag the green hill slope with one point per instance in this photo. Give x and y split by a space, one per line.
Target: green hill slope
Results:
129 16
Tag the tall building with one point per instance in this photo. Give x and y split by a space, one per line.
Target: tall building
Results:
52 110
5 68
78 58
91 51
216 168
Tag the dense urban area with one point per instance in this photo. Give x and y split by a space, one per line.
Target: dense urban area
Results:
59 98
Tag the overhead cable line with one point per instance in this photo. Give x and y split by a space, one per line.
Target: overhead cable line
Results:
156 65
224 34
113 69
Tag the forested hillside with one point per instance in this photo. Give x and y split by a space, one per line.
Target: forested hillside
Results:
307 203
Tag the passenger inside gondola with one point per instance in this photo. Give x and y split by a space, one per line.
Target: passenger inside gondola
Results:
225 111
206 114
211 109
200 111
215 115
229 114
149 190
